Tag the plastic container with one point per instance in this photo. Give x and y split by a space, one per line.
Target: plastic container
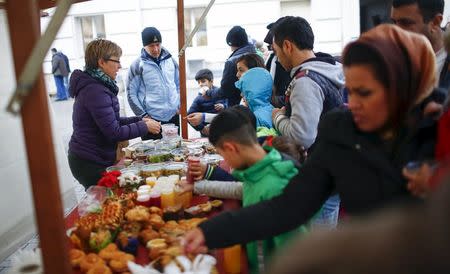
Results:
132 170
144 200
159 156
152 171
155 199
151 181
192 160
168 198
112 168
213 159
169 131
174 169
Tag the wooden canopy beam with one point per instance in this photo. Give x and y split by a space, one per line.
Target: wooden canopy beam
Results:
182 64
46 4
24 29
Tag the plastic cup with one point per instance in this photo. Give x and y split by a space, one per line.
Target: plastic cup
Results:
232 259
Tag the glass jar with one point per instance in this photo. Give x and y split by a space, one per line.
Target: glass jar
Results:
159 156
155 170
174 169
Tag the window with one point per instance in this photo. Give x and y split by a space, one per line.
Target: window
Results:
193 66
92 27
191 18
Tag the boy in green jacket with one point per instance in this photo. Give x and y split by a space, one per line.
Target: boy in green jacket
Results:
264 171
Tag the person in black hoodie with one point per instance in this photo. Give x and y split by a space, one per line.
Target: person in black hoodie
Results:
237 39
359 152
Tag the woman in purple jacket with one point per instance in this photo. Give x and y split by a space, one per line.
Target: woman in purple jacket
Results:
97 125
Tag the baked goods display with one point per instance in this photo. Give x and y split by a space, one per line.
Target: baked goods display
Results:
104 242
146 216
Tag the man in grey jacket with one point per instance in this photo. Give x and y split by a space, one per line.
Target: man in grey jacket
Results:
317 81
60 71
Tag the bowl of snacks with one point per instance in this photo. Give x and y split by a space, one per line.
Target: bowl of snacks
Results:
152 170
213 159
175 169
159 156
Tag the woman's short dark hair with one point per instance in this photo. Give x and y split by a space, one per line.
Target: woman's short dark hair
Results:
100 49
251 60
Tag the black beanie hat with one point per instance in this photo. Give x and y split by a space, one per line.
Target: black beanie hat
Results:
151 35
237 37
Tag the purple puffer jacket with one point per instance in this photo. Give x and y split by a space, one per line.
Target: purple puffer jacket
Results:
97 126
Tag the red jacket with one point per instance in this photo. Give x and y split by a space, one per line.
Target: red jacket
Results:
443 137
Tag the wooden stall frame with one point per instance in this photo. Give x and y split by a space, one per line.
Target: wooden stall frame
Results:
24 30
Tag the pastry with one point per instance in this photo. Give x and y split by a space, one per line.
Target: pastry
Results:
137 214
89 261
112 215
100 239
99 269
108 252
75 256
86 224
119 262
148 234
156 247
156 221
155 210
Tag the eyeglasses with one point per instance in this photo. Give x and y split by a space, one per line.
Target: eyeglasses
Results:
115 61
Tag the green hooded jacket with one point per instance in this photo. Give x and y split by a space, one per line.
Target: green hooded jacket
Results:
262 181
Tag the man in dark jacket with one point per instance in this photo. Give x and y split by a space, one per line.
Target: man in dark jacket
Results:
281 77
60 71
425 17
237 39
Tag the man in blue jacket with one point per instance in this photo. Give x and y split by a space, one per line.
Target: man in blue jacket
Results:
237 39
153 83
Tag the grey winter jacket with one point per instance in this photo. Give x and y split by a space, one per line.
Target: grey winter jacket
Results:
59 66
307 101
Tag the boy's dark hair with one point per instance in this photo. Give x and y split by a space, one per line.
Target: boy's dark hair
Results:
428 8
232 125
251 60
246 112
294 29
54 50
204 74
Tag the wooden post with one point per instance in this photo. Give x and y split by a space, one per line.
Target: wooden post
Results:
182 63
24 24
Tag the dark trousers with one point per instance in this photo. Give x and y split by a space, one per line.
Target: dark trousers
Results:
86 172
174 120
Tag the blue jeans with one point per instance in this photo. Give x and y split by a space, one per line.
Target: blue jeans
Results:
327 218
66 85
61 92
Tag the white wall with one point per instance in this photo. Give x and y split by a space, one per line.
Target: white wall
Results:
334 23
16 205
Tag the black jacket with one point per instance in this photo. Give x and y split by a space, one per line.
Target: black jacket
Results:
363 170
227 88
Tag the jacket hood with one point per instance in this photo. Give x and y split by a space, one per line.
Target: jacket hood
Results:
244 49
273 161
256 87
79 80
165 54
327 66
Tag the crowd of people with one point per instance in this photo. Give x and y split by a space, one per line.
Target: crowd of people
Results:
312 139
